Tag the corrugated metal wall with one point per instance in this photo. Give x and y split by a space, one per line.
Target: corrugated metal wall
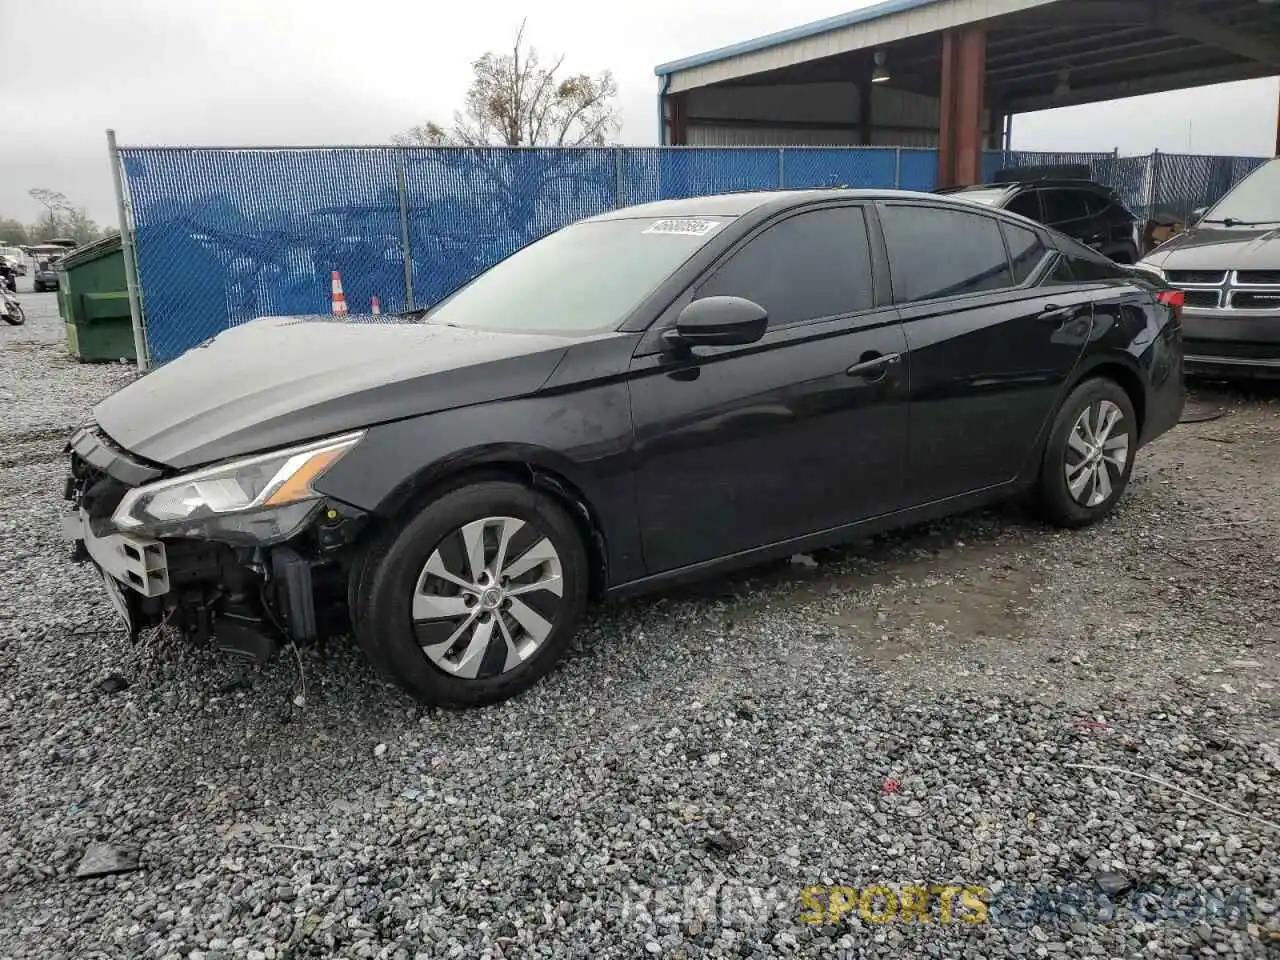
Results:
811 114
726 135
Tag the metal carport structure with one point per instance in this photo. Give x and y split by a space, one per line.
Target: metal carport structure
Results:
951 73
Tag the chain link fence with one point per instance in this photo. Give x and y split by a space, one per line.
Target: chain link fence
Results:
226 235
1180 183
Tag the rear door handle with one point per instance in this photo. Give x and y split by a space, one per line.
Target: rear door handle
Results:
873 367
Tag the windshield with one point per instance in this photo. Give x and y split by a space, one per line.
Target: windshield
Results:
987 195
1255 199
585 278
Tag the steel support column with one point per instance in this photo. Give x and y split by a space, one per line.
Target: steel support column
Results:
960 126
677 120
866 94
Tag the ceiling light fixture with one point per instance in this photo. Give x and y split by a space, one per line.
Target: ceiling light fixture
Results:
881 73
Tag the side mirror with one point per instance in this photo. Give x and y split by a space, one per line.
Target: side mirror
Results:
719 322
1197 215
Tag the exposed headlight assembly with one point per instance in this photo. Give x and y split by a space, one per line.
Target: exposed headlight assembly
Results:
258 500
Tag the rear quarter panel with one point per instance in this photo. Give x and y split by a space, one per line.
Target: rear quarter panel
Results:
1131 330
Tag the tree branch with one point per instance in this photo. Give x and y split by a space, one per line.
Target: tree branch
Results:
513 101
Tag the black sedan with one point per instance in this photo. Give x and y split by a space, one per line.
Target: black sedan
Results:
658 393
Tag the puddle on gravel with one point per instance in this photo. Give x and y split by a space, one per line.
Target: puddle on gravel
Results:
921 593
954 601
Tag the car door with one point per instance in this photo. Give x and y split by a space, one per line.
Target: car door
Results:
990 349
739 447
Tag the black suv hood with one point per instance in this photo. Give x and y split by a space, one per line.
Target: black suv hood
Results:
1214 247
282 380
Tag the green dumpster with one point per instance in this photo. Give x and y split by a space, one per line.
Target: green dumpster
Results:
94 302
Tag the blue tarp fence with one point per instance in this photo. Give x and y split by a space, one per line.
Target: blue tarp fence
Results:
224 235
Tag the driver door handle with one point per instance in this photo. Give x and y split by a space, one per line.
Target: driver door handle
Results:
874 366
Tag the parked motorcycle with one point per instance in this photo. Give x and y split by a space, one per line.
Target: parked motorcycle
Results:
10 309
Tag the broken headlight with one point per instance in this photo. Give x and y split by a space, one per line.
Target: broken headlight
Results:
262 499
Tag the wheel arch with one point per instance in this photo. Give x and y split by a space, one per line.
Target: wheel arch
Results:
1125 374
1123 371
532 467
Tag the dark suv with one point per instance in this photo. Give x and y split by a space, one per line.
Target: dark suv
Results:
1082 209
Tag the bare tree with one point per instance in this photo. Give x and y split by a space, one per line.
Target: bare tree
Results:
55 206
515 101
61 219
81 227
52 200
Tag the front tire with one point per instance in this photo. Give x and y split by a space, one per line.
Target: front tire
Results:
1089 456
476 598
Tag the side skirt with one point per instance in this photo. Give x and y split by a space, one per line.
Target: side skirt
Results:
825 538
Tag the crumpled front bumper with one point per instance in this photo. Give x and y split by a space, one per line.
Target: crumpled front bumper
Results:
136 562
247 597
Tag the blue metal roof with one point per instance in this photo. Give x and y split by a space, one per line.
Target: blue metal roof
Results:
795 33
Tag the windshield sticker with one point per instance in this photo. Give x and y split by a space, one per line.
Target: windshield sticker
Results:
685 227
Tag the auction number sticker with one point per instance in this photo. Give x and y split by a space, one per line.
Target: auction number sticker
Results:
683 226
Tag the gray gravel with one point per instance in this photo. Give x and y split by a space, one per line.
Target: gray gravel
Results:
916 711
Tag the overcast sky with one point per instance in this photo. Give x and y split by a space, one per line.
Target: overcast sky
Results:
217 72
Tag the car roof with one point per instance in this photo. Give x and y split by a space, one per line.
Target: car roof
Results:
754 201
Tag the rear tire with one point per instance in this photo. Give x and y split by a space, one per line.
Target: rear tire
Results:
1089 455
475 598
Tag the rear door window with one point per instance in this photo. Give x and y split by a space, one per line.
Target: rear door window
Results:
812 265
1088 266
1061 272
1061 206
1027 204
1096 203
934 252
1026 251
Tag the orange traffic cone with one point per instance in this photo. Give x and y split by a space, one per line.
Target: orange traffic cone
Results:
339 298
374 306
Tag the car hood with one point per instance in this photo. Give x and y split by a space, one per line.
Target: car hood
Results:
1212 247
283 380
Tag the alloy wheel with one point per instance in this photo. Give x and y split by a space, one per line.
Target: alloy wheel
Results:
1097 453
488 597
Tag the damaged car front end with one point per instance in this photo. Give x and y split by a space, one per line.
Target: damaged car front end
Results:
248 542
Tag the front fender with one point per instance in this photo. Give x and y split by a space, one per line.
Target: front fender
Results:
583 439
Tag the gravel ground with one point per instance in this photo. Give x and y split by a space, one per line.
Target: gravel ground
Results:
1082 725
